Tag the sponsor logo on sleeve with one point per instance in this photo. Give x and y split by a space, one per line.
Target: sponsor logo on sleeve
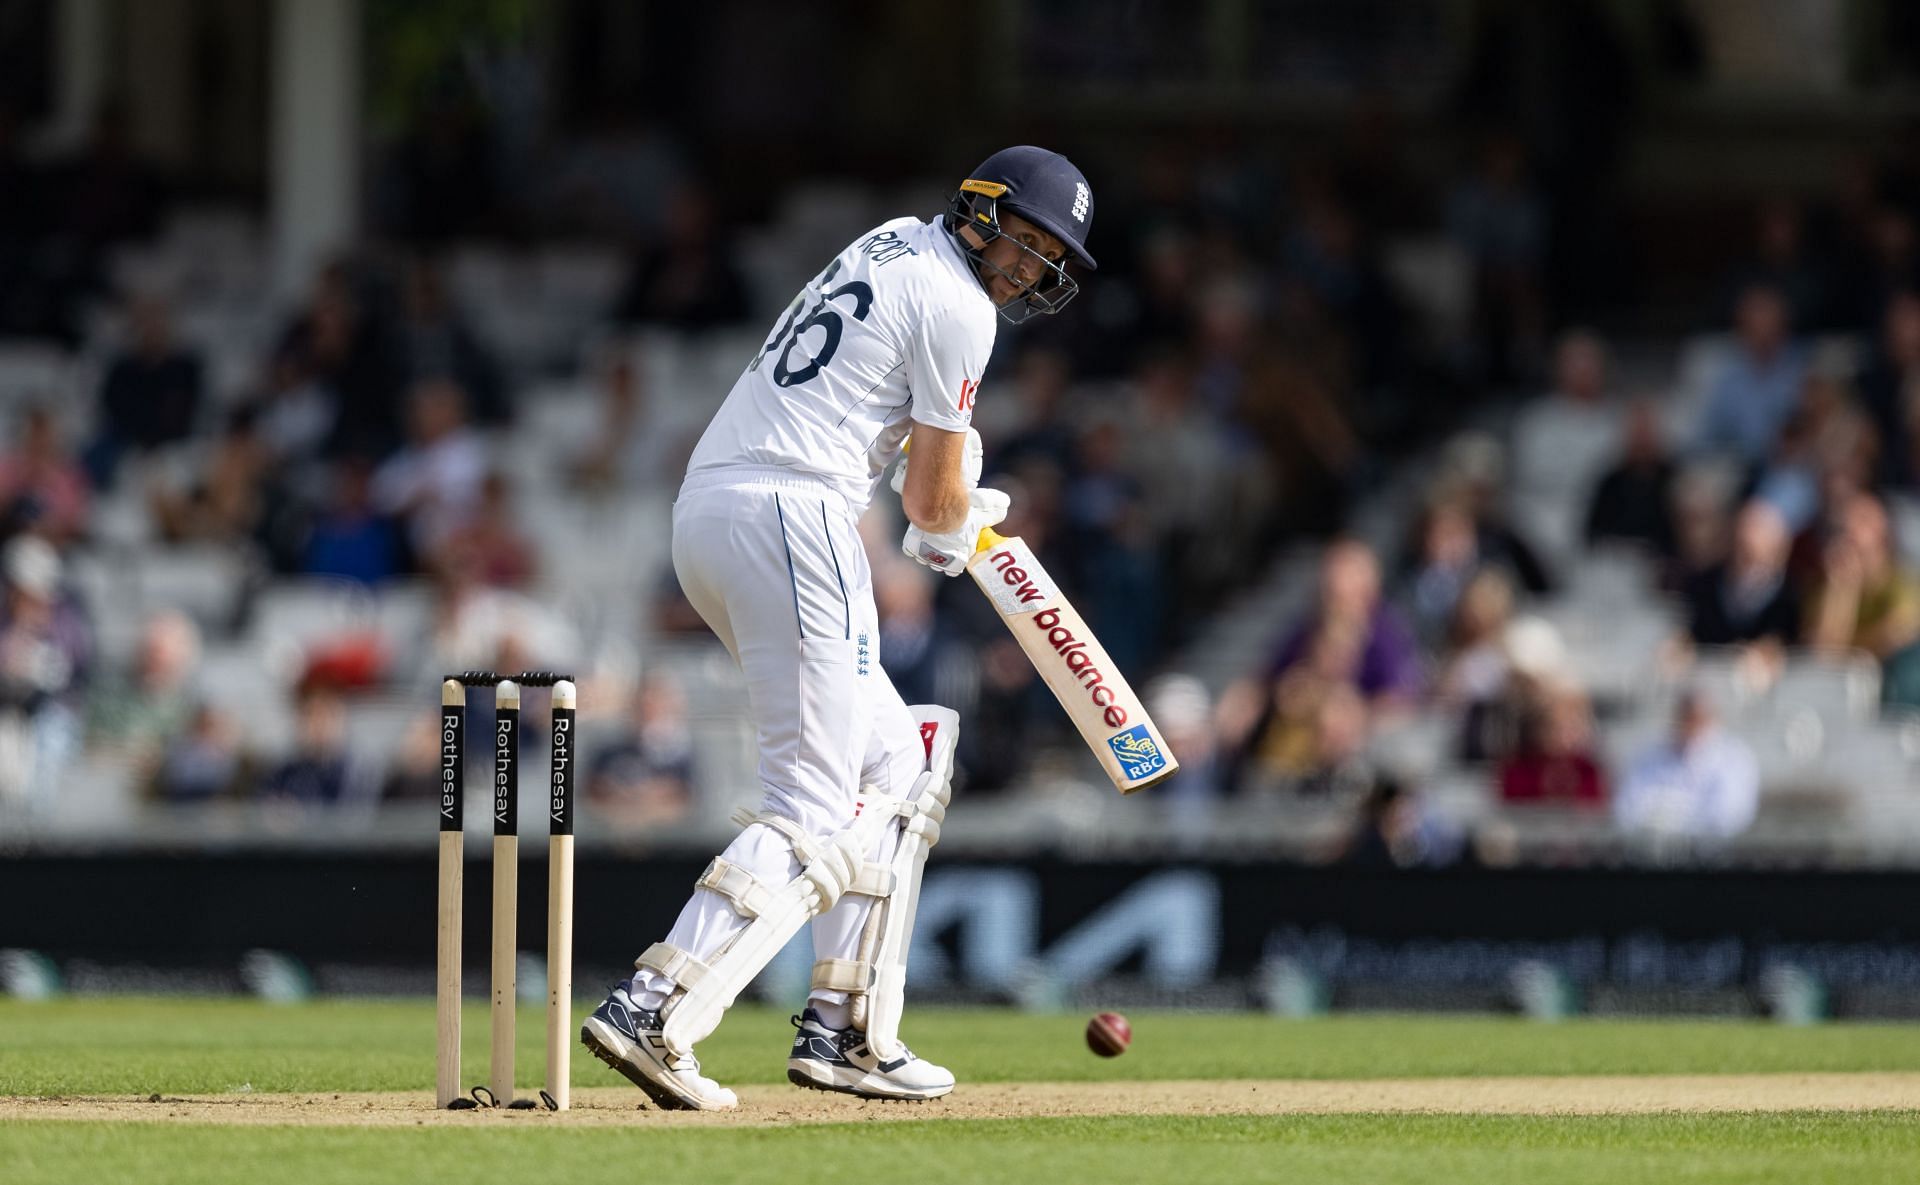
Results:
969 389
1139 756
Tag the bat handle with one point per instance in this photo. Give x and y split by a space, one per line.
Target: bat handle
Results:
989 539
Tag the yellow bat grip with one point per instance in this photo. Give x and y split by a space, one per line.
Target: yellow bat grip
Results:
989 539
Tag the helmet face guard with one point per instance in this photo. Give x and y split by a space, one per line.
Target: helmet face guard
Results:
977 204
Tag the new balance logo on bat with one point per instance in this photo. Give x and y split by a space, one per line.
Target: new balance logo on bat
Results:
1023 586
1080 665
1016 577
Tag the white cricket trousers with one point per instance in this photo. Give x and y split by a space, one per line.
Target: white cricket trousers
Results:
773 561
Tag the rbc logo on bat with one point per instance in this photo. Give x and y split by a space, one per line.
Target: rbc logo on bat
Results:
1139 756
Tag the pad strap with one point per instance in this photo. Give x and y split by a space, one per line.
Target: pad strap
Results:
670 962
842 975
749 897
804 846
832 864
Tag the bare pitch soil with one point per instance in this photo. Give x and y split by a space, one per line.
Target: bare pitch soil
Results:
781 1106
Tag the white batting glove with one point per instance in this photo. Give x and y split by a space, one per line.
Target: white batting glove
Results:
972 460
949 551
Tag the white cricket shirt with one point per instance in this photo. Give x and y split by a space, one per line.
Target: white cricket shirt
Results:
896 329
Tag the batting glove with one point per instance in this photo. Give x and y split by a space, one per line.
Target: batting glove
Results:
949 551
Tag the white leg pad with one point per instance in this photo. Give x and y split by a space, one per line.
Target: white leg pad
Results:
881 970
829 868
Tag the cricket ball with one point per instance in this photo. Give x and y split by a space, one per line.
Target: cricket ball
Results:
1109 1034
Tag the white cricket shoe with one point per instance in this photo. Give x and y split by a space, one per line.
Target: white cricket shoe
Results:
840 1059
627 1038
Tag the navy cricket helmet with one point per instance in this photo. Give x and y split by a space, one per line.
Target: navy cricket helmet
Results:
1045 189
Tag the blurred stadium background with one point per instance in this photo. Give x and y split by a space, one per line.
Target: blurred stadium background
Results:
1493 444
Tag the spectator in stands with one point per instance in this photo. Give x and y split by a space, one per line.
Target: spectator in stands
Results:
1474 471
1892 262
152 393
476 627
1337 768
1473 666
138 712
1040 445
607 462
41 482
1633 501
1350 636
1760 385
233 489
1498 218
335 355
1349 601
1865 599
1555 761
491 537
685 278
1192 483
1825 437
1890 388
349 539
1180 705
1701 783
434 484
1326 257
436 342
1564 441
1446 561
1295 385
46 653
1747 598
1781 261
1312 740
1162 316
413 773
1112 560
202 761
316 773
645 775
1530 668
1395 829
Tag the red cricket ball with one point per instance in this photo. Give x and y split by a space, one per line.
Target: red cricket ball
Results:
1109 1034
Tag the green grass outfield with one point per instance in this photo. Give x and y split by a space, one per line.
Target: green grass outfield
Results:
131 1046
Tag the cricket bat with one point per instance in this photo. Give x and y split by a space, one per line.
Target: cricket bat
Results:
1064 651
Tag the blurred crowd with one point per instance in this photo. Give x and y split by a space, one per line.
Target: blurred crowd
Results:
1252 366
1768 505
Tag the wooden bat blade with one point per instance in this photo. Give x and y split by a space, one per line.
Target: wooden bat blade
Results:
1097 697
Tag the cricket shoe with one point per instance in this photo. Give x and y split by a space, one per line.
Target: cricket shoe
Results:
627 1038
841 1059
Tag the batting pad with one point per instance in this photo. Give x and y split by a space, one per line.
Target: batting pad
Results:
775 913
877 982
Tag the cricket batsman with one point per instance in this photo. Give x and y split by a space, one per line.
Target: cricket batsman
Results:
887 345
